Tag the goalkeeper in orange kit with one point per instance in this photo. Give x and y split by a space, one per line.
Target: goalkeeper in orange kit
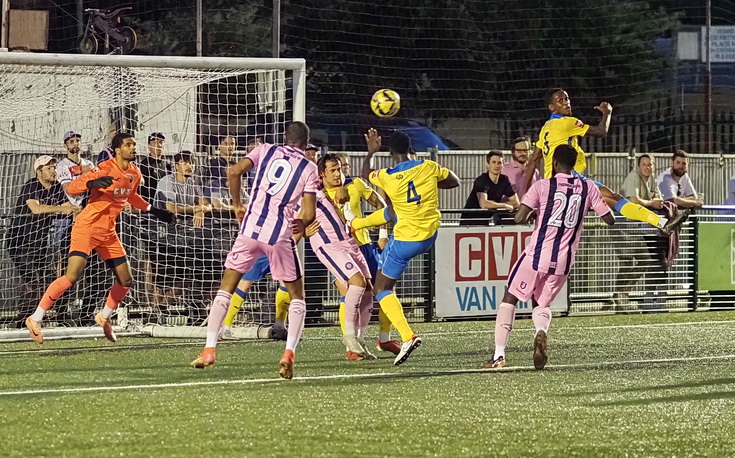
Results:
114 184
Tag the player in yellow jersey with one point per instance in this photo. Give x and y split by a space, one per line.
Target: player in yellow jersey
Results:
352 191
413 189
562 128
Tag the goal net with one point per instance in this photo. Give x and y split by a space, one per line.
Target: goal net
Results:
208 108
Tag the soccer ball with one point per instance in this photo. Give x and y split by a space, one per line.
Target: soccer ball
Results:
385 103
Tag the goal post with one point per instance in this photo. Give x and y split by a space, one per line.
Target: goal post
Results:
198 104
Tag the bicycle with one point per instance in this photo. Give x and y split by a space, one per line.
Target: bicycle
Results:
101 27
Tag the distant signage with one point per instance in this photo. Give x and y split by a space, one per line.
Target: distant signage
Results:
722 44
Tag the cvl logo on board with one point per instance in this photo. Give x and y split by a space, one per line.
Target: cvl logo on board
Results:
486 256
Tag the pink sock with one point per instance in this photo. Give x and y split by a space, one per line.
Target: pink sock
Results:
296 318
366 310
541 318
216 316
353 299
503 326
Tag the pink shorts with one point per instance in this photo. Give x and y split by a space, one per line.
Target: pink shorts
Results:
526 283
343 259
282 256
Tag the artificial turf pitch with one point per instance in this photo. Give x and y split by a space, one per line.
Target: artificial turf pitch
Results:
637 385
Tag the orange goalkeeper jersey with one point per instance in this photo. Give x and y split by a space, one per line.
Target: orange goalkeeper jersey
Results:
106 204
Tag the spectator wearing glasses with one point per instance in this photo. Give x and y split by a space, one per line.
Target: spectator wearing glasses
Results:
675 184
515 169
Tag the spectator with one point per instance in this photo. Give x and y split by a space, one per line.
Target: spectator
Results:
311 153
253 143
640 187
180 194
675 184
639 246
30 242
515 169
488 192
225 158
153 167
185 260
108 152
730 193
345 160
72 166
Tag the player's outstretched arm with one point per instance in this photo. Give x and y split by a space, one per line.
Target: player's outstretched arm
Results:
373 141
90 180
450 182
601 129
609 219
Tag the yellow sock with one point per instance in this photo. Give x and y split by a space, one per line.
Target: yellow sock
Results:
283 300
376 218
390 304
638 213
342 314
385 323
235 303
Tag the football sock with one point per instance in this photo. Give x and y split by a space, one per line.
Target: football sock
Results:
342 314
393 309
366 312
353 299
384 326
116 295
376 218
52 294
235 303
283 299
503 326
637 212
541 318
220 305
296 318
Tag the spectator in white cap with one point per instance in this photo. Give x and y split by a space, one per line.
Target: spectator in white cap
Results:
40 201
72 166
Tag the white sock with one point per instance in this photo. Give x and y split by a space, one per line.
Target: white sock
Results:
38 315
211 339
107 312
499 351
384 336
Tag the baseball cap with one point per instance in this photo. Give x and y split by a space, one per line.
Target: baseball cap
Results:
154 135
310 146
71 134
43 160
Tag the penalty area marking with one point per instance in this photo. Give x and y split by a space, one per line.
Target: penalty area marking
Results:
368 375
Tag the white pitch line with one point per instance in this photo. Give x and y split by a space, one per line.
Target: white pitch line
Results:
368 375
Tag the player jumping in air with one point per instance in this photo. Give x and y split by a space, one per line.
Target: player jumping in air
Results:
112 185
562 128
560 202
413 189
284 179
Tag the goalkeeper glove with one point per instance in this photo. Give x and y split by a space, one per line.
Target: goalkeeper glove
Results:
163 214
101 182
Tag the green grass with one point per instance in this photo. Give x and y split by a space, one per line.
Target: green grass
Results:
608 391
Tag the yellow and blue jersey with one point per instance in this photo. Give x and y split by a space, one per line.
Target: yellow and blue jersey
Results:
414 194
560 130
358 191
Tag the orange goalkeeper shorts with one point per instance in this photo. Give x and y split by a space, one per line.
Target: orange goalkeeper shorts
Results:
104 242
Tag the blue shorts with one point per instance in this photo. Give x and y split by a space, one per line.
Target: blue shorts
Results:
394 258
597 183
259 270
371 251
